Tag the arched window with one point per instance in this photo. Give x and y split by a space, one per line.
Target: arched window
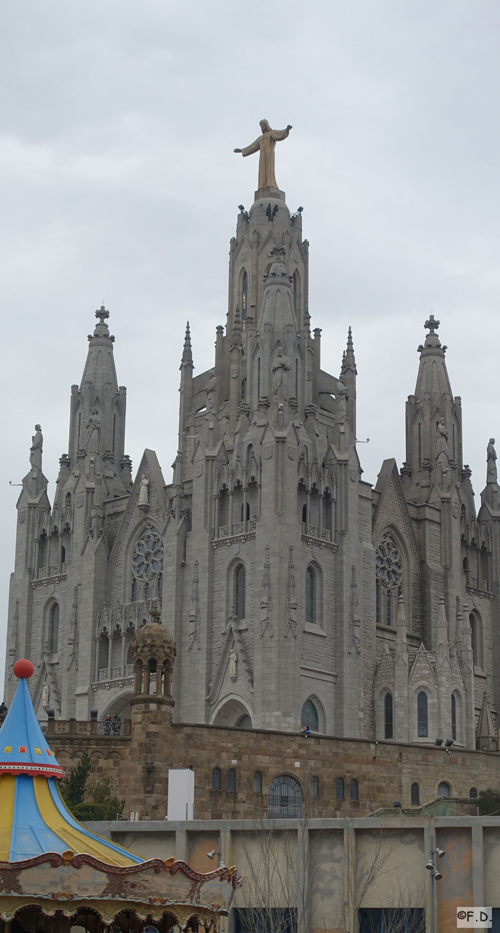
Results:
239 591
249 454
216 779
63 554
415 794
388 607
231 779
243 389
473 793
257 782
314 786
309 716
296 295
444 789
353 790
339 788
389 574
388 717
304 514
453 717
147 561
54 628
160 585
285 798
422 715
465 565
475 627
244 295
310 595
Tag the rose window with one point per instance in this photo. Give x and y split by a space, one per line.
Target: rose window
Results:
388 563
147 559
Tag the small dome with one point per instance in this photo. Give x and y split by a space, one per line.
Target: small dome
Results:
154 640
153 633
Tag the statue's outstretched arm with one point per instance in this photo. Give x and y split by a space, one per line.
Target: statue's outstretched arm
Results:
278 135
249 150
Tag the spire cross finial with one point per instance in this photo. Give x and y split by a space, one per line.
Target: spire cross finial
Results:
102 314
432 324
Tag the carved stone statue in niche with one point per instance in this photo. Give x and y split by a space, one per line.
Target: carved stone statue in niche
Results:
211 390
93 426
233 660
281 365
442 450
491 457
45 695
36 449
144 490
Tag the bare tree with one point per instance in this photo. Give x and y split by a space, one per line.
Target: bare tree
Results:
276 895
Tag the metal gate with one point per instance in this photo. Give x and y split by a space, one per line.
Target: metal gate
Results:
285 799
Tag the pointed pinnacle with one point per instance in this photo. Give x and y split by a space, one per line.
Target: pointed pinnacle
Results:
187 356
350 345
237 327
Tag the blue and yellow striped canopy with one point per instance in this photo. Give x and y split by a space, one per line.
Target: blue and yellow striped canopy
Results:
33 816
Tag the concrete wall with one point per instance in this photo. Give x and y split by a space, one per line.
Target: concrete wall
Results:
334 867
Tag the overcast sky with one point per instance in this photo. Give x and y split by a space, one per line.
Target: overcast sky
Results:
118 183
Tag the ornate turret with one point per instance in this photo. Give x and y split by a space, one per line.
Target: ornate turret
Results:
433 421
154 651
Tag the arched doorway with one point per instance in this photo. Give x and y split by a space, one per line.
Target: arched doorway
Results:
285 799
233 713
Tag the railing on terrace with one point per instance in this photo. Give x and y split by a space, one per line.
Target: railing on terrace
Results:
117 673
237 528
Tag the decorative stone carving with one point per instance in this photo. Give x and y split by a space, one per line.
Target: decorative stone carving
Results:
144 492
266 599
93 426
388 562
36 448
491 457
281 365
233 661
211 390
291 602
147 558
442 450
45 695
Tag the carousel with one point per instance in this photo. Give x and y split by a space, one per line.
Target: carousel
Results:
58 877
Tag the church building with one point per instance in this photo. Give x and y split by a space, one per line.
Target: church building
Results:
297 593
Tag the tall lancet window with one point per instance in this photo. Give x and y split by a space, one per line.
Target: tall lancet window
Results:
244 295
239 591
54 628
422 715
297 297
389 574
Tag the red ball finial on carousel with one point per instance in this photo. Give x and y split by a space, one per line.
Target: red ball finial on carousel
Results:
23 669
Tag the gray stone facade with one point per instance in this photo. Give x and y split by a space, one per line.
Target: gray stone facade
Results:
283 575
